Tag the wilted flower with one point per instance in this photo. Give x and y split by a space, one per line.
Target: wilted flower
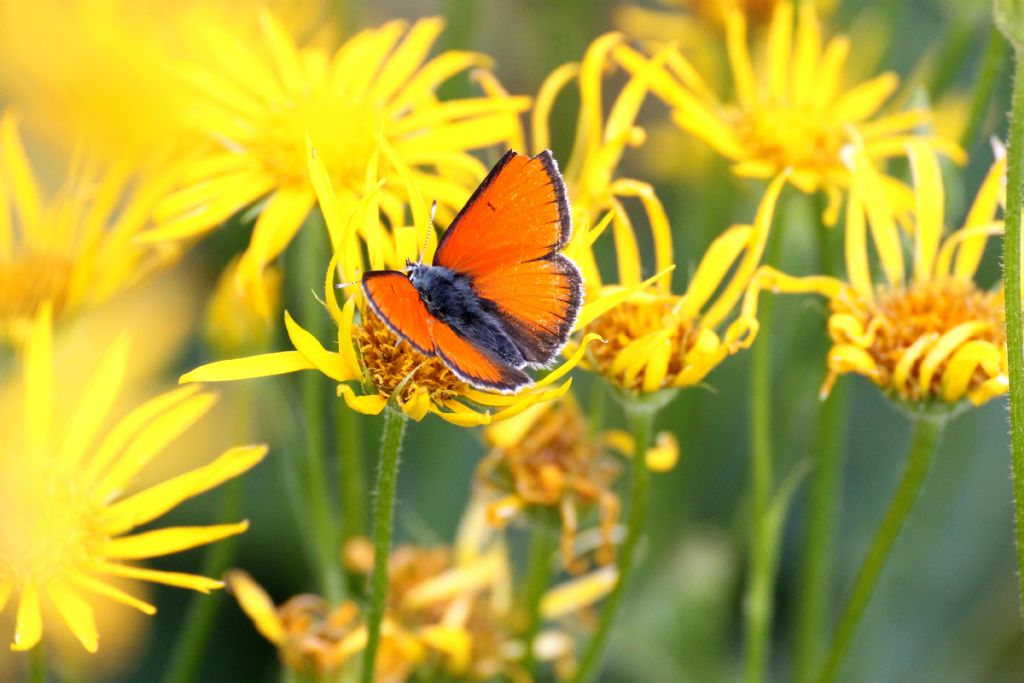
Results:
261 102
545 461
66 501
74 248
928 333
791 112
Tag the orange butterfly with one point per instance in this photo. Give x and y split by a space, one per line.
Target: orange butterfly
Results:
498 296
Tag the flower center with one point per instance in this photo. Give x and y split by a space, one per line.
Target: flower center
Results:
927 310
31 279
342 131
790 137
47 525
627 323
390 361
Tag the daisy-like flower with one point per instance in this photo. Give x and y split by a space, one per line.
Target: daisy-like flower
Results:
103 70
790 112
545 461
449 608
74 248
927 334
659 340
67 505
372 365
261 102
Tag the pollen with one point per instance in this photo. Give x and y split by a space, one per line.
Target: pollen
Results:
917 331
390 362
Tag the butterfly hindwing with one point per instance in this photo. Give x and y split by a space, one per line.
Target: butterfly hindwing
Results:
396 302
471 364
506 240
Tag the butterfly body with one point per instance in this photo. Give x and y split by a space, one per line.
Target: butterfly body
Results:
498 296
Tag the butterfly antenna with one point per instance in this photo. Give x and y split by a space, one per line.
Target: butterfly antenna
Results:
426 242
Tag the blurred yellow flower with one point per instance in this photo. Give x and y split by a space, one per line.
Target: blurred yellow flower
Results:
104 70
791 112
66 502
231 324
659 340
449 608
546 460
383 368
74 248
261 102
928 334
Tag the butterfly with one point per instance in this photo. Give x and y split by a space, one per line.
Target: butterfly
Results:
498 296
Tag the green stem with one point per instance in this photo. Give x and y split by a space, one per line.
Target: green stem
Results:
310 254
818 543
641 419
351 472
927 429
543 543
995 53
1014 318
202 611
757 602
383 521
37 664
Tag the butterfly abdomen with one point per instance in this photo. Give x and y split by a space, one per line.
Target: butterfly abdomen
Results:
450 298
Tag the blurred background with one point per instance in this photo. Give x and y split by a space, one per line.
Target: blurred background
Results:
946 607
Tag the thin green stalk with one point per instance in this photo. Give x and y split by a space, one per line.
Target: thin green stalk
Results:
543 543
995 54
641 419
202 611
1014 318
310 256
383 521
927 430
816 569
37 664
757 601
351 473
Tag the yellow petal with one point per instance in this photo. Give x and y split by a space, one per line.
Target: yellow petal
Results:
545 100
38 374
153 502
930 202
263 365
257 605
592 310
857 269
739 57
716 262
329 363
945 346
418 405
461 417
18 172
455 642
964 363
572 596
200 584
864 100
921 345
982 212
780 45
656 218
106 590
406 58
29 628
77 614
168 541
370 404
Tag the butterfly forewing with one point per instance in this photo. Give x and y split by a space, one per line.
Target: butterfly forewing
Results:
398 304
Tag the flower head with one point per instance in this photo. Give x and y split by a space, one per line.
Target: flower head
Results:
546 461
927 334
67 504
261 103
74 248
660 340
791 113
372 365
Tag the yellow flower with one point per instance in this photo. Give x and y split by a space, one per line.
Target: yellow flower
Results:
659 340
383 368
686 21
927 334
545 460
232 325
75 248
104 69
67 505
791 112
449 608
260 103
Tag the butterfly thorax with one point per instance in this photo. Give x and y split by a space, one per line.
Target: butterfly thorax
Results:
450 297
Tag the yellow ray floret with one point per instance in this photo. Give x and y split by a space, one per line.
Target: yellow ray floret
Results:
68 507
